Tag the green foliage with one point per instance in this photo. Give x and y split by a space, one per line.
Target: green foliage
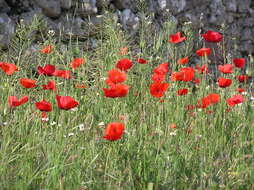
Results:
205 151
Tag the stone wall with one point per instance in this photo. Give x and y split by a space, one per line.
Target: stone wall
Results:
237 16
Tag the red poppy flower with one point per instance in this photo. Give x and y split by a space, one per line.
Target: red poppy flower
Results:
123 50
66 74
236 99
27 83
185 74
43 106
214 98
176 38
223 82
46 49
141 61
177 76
197 80
114 131
204 103
66 102
116 90
46 70
202 69
116 76
158 77
183 61
162 68
189 107
203 52
208 100
77 62
211 36
182 92
124 64
188 74
240 90
50 86
242 78
239 62
226 69
14 102
158 89
81 85
8 68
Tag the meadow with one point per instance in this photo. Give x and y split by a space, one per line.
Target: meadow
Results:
152 111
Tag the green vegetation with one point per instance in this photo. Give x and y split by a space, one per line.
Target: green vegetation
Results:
210 148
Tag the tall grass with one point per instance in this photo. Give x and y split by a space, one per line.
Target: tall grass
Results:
204 151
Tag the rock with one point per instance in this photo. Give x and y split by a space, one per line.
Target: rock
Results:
244 5
7 30
246 34
217 12
122 4
162 4
77 27
176 6
71 27
28 17
66 4
246 47
4 7
100 4
129 20
231 5
50 8
87 8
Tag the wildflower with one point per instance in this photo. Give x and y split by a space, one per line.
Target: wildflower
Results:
162 69
158 89
124 64
43 106
50 86
196 80
46 49
158 77
203 52
239 62
116 76
27 83
211 36
114 131
66 74
46 70
223 82
242 78
202 69
8 68
240 90
66 102
14 102
208 100
123 51
188 74
185 74
81 86
183 61
236 99
176 38
116 90
226 69
75 63
182 92
141 61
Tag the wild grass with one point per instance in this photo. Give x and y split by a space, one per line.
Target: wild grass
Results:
204 151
